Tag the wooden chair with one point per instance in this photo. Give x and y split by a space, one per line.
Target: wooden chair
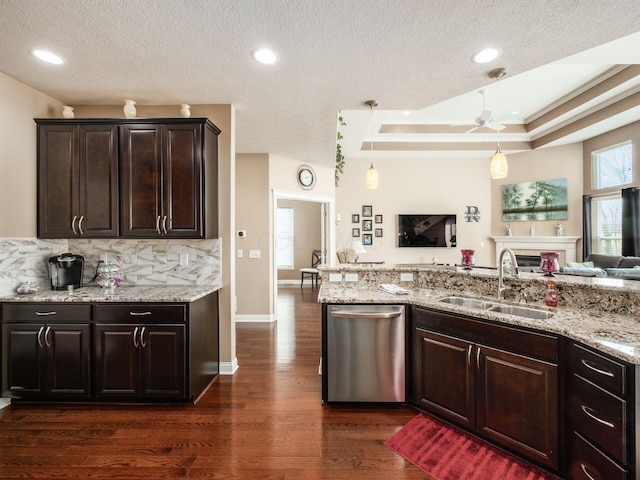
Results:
311 271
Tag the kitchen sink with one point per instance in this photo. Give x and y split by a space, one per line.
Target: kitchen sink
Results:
466 302
521 311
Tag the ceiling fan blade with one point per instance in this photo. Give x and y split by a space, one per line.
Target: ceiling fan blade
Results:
472 129
485 116
495 126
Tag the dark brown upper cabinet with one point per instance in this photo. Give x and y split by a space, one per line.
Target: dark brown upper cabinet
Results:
77 180
131 178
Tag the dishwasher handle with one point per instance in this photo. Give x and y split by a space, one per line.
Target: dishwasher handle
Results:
372 315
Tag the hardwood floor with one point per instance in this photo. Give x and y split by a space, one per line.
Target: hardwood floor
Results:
265 422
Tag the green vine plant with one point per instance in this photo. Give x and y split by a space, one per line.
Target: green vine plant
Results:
339 155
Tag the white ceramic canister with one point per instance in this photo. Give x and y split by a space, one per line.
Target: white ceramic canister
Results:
129 109
67 112
185 110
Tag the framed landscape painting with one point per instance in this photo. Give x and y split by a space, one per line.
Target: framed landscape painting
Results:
542 200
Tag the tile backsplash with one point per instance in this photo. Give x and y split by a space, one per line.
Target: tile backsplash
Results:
143 262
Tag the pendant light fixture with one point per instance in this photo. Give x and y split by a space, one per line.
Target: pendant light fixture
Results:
372 174
498 165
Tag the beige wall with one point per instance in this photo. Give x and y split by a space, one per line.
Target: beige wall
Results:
307 223
20 105
544 164
418 186
252 214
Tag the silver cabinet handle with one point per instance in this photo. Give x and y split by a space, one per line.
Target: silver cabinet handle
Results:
137 314
142 342
586 409
584 469
80 224
43 314
73 225
135 337
469 348
47 337
158 225
40 342
365 315
478 358
164 225
602 372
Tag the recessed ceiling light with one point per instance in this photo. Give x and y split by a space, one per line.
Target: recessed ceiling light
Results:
265 55
486 55
406 113
47 57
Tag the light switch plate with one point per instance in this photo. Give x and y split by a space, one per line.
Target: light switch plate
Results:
351 277
254 253
406 277
240 253
184 259
335 277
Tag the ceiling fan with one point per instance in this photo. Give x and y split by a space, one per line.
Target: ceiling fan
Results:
485 119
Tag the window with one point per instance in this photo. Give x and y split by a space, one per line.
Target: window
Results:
611 167
284 238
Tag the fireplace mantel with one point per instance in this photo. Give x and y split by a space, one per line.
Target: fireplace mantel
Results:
566 244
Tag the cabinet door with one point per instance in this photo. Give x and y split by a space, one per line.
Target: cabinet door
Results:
517 403
98 184
163 361
24 360
117 359
444 377
58 177
182 177
141 180
68 349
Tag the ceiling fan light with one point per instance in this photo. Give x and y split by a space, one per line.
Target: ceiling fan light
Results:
372 178
486 55
498 166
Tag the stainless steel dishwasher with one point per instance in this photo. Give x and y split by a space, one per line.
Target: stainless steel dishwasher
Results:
365 353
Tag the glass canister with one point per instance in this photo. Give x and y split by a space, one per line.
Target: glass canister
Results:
549 263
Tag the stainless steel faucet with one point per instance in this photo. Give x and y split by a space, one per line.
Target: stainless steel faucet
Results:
514 270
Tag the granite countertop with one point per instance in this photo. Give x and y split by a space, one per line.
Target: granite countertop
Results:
121 294
615 334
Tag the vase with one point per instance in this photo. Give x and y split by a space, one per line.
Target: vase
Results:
67 112
468 260
185 110
549 263
129 109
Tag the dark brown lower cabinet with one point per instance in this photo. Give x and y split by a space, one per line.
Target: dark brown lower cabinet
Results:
46 360
498 381
141 361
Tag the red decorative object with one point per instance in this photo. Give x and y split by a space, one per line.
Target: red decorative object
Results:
549 263
447 453
468 260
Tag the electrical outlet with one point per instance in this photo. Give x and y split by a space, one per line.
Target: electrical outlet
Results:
335 277
254 253
406 277
184 259
350 277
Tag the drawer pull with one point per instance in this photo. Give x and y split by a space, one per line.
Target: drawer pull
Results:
73 225
44 314
584 469
135 337
603 372
586 409
469 348
40 342
478 358
47 337
137 314
144 345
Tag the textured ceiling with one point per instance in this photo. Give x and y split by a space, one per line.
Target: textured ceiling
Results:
334 54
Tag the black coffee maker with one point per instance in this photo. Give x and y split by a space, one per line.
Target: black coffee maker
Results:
66 271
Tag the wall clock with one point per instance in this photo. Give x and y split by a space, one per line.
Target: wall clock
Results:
306 177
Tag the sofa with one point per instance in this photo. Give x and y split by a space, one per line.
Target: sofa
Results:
605 266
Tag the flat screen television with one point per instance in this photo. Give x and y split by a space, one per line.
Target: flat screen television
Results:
426 230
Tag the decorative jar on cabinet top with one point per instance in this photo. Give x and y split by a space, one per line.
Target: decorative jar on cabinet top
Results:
129 109
185 110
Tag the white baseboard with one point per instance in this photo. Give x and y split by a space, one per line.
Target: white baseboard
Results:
4 402
255 318
229 368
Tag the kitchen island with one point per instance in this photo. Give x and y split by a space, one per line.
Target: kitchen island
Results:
131 344
557 386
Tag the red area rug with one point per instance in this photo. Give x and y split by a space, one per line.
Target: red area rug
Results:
447 453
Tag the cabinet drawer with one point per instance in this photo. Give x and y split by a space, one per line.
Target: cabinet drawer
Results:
140 313
600 416
45 312
589 463
504 337
601 370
